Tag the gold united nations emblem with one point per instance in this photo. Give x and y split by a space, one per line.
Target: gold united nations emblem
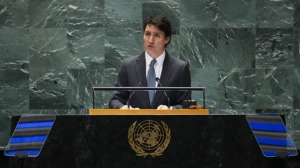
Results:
149 138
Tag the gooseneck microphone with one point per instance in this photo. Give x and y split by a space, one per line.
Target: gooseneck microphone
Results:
158 81
132 94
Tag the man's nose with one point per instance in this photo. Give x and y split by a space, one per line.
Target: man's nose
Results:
151 39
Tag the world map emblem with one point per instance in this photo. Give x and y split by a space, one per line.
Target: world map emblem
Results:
149 138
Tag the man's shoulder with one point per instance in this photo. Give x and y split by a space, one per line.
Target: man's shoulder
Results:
135 58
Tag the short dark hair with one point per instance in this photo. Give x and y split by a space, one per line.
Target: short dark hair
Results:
162 23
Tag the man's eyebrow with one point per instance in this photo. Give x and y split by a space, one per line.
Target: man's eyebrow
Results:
153 32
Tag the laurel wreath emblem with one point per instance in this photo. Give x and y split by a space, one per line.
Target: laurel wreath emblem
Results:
139 151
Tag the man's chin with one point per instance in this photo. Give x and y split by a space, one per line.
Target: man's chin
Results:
151 53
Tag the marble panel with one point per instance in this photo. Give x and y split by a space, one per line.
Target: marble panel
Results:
14 14
274 88
275 13
47 14
174 47
48 88
76 111
4 128
296 89
297 14
14 68
120 44
199 14
14 48
48 111
109 77
14 88
5 124
80 84
48 49
199 47
236 14
123 14
293 126
85 14
205 78
231 111
274 48
86 45
285 112
297 48
236 88
167 8
236 48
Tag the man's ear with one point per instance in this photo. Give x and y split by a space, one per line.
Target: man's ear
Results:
167 40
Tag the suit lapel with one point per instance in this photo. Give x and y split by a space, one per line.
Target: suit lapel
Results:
140 69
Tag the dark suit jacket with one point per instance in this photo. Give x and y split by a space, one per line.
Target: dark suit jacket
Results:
175 73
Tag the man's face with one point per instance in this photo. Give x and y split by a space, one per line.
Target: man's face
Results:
154 40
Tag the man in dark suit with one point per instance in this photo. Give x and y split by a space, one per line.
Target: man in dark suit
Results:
165 71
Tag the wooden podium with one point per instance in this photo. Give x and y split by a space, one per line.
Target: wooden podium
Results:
148 112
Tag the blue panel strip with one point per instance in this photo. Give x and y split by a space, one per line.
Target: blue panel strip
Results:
270 153
293 154
276 142
273 153
29 152
258 126
35 124
26 139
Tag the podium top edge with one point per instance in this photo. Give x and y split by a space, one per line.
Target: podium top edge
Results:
148 88
148 112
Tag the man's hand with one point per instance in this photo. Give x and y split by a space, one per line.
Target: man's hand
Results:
164 107
125 107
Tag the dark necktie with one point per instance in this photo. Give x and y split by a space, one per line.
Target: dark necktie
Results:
151 80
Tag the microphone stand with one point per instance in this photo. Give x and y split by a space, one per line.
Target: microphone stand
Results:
148 88
158 81
131 95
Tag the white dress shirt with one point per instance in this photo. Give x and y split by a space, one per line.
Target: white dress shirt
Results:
157 66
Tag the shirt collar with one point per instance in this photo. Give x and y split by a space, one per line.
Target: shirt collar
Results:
159 60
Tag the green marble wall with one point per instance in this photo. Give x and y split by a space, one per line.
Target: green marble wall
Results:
246 53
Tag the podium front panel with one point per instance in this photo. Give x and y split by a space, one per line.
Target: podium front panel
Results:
92 141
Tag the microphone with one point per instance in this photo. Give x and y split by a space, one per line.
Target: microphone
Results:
158 81
132 94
